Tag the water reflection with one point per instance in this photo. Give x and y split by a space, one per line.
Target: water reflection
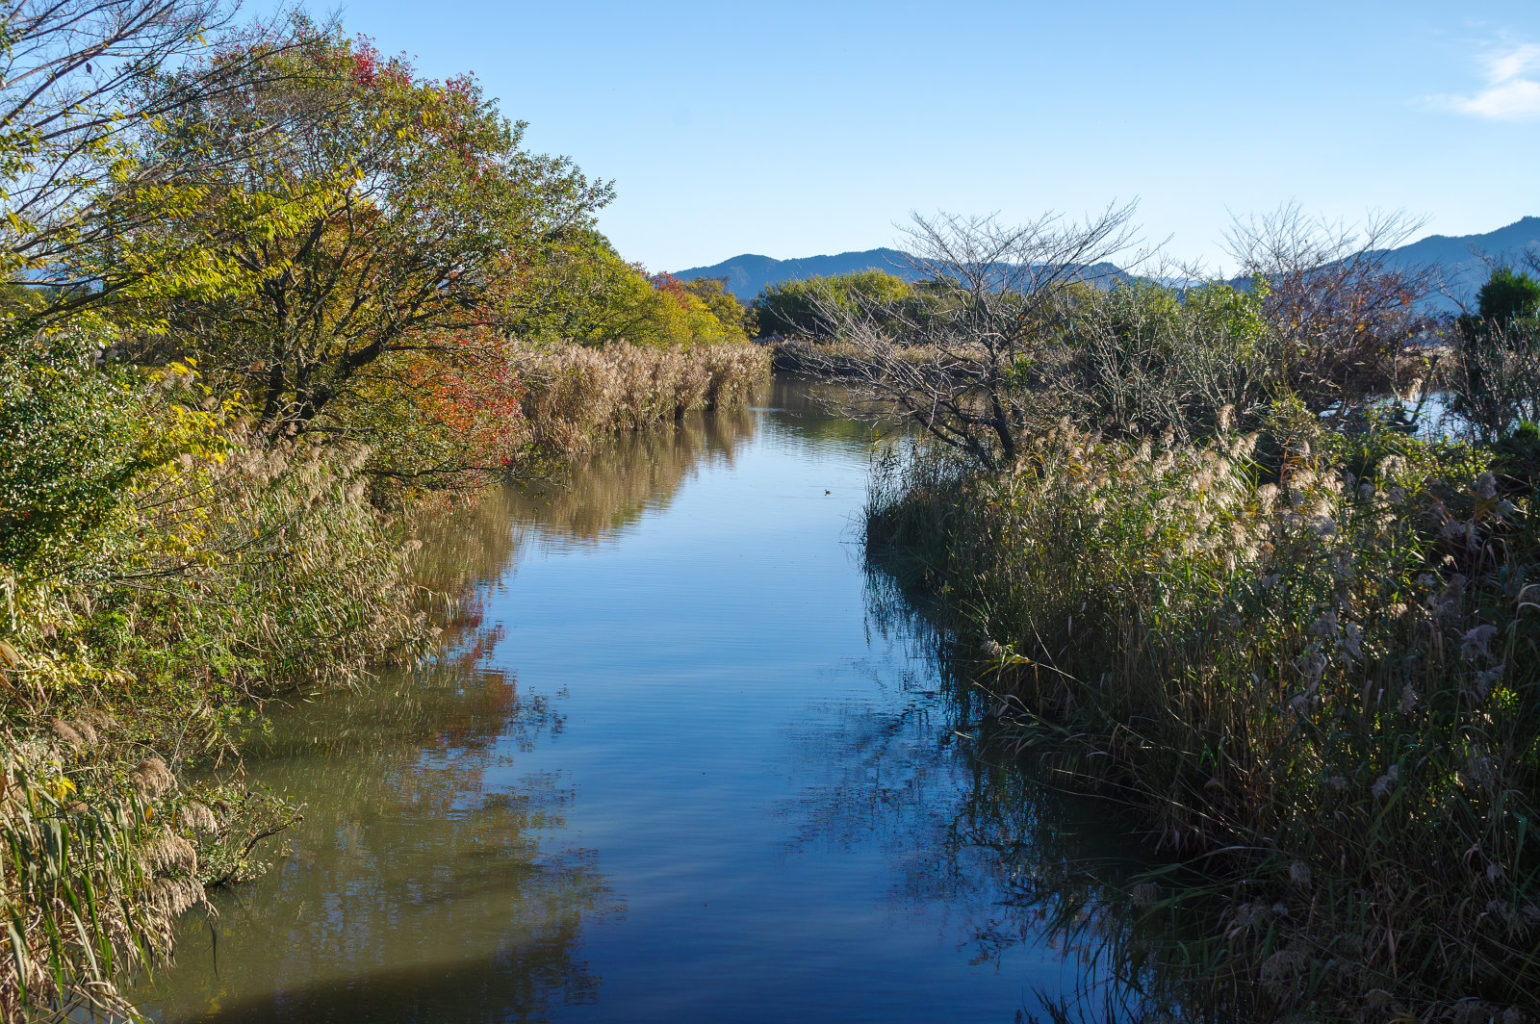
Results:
1017 861
820 416
604 494
427 881
690 763
1013 863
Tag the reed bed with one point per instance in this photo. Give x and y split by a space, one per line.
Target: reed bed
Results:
1319 682
576 395
227 581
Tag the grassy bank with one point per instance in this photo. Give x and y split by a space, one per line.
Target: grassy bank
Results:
1316 675
169 570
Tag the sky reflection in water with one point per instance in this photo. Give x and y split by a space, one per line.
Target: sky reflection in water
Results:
687 763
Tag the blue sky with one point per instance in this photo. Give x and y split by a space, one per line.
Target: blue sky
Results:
792 129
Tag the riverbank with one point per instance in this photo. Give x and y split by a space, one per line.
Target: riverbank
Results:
1315 676
158 617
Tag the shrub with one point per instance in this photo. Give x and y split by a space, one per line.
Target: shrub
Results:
1508 295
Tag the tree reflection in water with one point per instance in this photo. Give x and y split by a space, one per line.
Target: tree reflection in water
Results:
423 884
429 880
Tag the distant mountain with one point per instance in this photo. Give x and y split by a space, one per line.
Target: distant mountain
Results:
1461 263
747 275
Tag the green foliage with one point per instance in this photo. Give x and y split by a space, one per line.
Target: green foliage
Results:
81 98
723 305
76 440
803 309
1508 295
596 297
1516 458
1141 358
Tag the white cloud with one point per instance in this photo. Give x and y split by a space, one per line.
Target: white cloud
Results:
1514 63
1503 101
1512 86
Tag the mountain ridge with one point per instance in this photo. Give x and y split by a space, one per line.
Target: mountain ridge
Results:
1461 261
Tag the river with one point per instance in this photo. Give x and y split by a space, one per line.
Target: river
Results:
684 760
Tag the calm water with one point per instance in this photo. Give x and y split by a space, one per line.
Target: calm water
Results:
687 762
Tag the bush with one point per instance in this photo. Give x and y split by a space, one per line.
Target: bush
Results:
1496 376
801 309
1143 359
1508 295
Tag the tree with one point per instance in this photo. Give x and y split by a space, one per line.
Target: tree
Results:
80 88
594 297
704 311
1508 295
412 213
722 304
792 308
1334 294
959 368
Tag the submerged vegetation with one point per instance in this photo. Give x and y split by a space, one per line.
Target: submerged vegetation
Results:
261 310
1203 565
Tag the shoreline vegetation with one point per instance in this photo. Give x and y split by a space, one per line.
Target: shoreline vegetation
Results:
220 582
270 295
263 314
1199 552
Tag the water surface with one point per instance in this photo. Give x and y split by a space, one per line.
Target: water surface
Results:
686 761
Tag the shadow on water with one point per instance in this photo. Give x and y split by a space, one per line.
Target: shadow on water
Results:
512 985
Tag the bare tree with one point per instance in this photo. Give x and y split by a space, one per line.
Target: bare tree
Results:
958 366
1336 293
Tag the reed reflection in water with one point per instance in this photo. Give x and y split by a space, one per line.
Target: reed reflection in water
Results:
602 495
1014 864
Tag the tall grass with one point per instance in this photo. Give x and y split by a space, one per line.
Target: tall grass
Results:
232 580
1320 685
577 395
